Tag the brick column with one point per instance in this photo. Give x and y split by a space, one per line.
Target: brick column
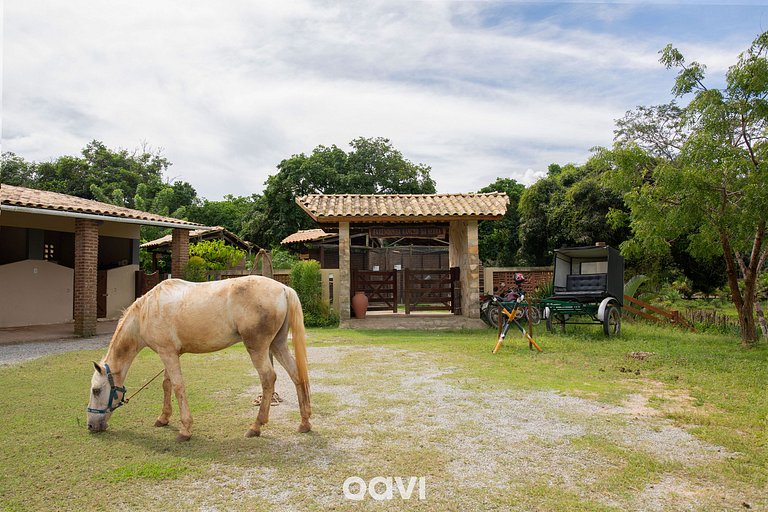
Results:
179 252
86 267
345 274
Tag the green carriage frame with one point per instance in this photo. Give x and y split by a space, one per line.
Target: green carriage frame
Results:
588 284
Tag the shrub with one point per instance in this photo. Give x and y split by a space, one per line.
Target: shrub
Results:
281 258
684 287
307 281
196 270
216 254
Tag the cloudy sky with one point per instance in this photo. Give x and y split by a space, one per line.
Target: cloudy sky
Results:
476 90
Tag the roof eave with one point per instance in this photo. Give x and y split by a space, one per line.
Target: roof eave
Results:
304 207
409 218
94 216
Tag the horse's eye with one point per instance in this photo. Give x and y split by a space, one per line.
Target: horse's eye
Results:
96 391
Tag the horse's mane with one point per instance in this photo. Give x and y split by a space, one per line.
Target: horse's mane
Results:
128 312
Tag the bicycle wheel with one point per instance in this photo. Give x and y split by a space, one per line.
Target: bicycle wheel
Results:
493 316
535 315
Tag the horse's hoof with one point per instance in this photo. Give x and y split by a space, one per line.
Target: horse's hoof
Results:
305 427
182 438
253 433
159 423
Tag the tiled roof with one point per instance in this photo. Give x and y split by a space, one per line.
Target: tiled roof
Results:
196 234
44 200
404 207
306 235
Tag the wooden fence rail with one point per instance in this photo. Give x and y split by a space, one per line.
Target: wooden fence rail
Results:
711 318
655 314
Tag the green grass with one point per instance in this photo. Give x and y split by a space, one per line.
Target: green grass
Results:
728 383
147 471
48 461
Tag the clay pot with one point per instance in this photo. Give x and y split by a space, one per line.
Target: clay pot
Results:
360 304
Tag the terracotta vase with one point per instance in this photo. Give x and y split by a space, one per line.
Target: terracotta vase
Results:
360 304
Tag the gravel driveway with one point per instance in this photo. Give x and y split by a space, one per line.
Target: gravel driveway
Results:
18 353
381 405
375 405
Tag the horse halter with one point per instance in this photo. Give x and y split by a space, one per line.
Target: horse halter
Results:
113 390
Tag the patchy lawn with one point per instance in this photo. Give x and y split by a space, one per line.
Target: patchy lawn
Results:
654 420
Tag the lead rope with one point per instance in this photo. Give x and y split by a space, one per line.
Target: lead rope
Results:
144 386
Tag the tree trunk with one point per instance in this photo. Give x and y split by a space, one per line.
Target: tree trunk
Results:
747 324
744 303
761 318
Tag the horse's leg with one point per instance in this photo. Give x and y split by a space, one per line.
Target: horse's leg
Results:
285 358
267 376
162 420
173 371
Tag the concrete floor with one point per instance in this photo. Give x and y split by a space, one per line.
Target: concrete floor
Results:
34 333
418 320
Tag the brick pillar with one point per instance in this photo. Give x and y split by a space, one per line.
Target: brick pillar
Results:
464 252
345 274
471 307
179 252
86 267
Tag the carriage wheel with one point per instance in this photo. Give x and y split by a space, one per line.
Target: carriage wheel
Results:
559 318
612 321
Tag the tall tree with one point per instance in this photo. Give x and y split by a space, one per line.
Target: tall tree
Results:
568 207
100 173
499 239
700 171
231 213
373 166
536 236
14 170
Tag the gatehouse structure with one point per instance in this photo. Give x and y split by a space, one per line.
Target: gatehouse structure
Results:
452 218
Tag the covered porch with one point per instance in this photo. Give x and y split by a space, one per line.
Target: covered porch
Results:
68 259
404 216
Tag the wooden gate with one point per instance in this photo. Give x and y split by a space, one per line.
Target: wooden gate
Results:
429 290
380 287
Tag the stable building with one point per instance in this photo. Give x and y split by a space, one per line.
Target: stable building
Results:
65 258
449 219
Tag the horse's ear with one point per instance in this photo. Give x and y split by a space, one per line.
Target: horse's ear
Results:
98 368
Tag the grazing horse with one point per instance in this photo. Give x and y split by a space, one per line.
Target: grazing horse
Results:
178 317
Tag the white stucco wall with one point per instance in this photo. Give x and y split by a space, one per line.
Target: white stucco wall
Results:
121 286
35 292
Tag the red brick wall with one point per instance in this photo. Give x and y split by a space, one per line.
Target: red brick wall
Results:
86 266
179 252
533 278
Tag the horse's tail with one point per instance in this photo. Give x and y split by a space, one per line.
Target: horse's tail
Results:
296 319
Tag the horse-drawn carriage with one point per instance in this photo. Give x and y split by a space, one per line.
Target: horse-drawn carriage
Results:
588 282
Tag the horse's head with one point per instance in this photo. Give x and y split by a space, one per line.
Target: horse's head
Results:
105 397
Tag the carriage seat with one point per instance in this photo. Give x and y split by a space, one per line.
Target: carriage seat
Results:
583 286
586 282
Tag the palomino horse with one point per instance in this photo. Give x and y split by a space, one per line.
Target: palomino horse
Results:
178 317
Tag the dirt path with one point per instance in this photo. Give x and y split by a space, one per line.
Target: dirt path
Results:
381 411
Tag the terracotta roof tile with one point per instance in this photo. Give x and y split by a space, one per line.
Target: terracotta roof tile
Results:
405 207
43 200
195 236
306 235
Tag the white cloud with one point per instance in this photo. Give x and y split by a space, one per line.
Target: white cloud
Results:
231 89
